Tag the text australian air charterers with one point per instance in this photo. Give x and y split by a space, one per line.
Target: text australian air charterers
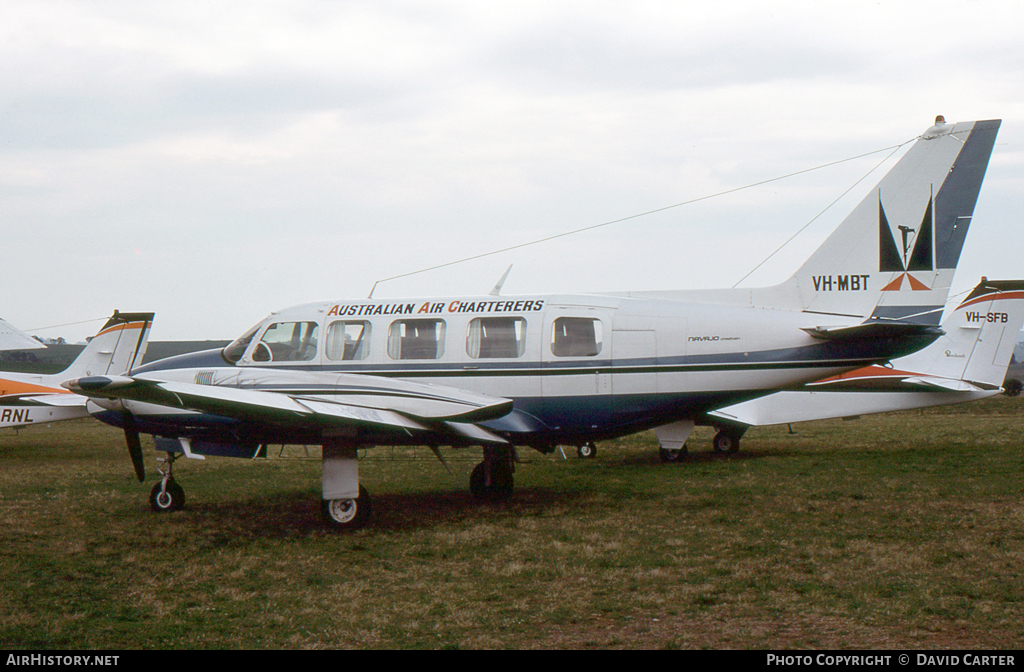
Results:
433 307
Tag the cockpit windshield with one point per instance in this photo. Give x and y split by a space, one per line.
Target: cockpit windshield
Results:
234 350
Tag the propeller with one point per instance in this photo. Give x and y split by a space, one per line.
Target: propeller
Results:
131 437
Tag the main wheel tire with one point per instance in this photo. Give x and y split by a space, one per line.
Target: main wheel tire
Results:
166 500
725 442
502 481
347 514
587 451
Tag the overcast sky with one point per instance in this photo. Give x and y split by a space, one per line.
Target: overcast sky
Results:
216 161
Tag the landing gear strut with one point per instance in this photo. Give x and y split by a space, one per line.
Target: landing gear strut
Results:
345 503
167 495
492 479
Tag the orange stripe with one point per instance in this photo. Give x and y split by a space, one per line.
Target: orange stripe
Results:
994 296
873 371
16 387
119 327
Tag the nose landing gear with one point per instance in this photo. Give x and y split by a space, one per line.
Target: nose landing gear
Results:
167 495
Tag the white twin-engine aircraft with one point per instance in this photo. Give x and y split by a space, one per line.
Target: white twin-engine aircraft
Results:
541 371
32 399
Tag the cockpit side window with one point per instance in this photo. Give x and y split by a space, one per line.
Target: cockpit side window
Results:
234 350
287 342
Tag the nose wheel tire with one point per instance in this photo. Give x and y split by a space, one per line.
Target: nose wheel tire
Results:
164 498
347 514
587 451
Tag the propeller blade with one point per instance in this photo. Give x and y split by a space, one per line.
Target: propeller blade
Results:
131 437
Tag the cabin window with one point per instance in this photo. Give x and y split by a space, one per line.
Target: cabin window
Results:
416 339
287 342
348 341
576 337
493 337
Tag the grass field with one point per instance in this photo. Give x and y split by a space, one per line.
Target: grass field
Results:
903 530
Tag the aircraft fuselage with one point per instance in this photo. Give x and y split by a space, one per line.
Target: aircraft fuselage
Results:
577 367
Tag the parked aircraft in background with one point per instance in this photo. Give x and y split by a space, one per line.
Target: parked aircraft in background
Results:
12 338
969 362
31 399
539 371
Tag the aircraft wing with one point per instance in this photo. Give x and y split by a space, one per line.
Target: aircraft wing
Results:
309 399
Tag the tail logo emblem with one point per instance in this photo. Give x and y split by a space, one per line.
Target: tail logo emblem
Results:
892 259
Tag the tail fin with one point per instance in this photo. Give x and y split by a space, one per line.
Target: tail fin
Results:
895 255
980 335
12 338
119 346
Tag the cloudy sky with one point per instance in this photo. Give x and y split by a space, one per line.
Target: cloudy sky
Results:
215 161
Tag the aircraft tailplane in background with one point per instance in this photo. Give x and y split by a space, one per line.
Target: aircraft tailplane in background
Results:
12 338
28 399
968 363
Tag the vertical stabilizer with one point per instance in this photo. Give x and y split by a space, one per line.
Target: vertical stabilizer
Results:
979 339
894 256
119 345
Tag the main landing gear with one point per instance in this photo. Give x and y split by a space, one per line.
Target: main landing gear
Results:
493 478
727 440
347 514
345 503
672 440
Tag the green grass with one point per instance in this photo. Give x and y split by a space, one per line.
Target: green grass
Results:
902 530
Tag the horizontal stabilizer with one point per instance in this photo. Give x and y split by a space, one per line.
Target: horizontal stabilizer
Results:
62 399
873 330
941 384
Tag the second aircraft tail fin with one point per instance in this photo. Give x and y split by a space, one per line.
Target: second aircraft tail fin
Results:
980 336
119 346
